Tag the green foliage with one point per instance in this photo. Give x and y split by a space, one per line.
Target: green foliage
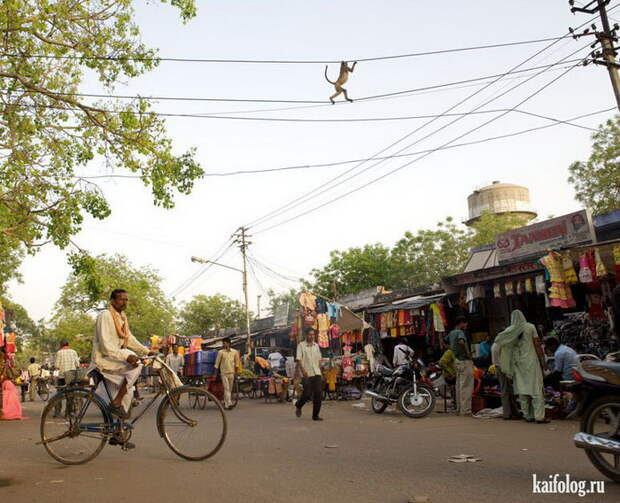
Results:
352 270
291 297
49 135
417 259
26 329
76 328
597 181
204 314
490 225
427 256
149 311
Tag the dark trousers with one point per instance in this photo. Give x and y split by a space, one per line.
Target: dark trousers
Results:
509 401
313 388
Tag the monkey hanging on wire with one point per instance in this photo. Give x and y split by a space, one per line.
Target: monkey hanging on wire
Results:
345 69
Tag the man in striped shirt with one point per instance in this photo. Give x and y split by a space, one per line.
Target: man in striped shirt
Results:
67 362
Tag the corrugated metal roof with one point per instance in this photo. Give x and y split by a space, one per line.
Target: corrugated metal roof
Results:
411 303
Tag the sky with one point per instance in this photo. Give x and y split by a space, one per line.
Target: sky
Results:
414 197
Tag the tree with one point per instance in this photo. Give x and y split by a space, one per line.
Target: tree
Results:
490 225
430 254
352 270
75 327
26 329
597 181
291 297
49 133
149 311
204 314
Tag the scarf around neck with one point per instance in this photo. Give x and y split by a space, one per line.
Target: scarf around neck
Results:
122 326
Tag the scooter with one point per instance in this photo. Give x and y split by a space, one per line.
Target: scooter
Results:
596 387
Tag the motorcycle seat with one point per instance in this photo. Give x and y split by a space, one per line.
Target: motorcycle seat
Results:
610 371
385 371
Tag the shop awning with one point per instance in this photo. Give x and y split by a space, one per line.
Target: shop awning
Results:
348 320
410 303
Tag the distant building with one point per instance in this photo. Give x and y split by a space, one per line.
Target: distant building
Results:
500 198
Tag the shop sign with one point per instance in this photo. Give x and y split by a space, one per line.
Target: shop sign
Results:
491 273
280 316
568 230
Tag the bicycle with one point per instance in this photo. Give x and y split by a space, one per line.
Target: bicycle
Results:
43 389
194 434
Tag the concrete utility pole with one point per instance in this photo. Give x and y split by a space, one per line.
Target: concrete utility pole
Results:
241 240
606 38
258 306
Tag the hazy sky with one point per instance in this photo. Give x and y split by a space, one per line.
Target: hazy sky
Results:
415 197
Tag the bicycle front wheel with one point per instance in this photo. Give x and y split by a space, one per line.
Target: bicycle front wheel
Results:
43 392
74 427
192 433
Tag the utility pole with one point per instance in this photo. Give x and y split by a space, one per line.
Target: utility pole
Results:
258 306
241 240
606 38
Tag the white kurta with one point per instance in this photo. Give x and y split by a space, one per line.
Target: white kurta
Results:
111 359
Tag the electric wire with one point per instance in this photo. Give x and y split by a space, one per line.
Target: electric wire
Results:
332 183
375 180
276 61
395 156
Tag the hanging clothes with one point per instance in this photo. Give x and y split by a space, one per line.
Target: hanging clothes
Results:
570 276
529 285
323 339
541 287
497 291
509 288
308 301
586 275
560 294
520 287
616 254
334 331
437 321
369 349
601 271
394 332
321 305
333 310
401 317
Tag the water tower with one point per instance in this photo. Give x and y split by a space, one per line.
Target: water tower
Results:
500 198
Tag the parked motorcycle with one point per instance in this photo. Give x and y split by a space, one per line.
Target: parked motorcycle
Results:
407 386
596 387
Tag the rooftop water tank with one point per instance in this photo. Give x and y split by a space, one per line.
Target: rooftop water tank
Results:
499 198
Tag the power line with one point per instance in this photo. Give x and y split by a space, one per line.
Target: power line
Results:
375 180
395 156
277 61
326 186
315 102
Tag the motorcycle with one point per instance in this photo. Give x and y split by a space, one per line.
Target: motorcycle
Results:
596 387
407 386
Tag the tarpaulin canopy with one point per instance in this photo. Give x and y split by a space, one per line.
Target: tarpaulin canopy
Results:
410 303
350 321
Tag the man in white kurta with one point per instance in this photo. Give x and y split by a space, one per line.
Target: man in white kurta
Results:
115 353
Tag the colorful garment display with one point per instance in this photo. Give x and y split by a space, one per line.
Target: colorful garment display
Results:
509 288
437 320
321 305
529 285
616 255
333 310
308 301
541 287
560 294
601 271
497 291
570 276
586 274
334 331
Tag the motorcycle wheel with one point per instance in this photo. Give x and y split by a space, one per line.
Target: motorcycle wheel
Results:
596 421
418 404
378 406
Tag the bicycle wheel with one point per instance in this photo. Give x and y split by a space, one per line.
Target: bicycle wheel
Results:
43 391
193 434
74 427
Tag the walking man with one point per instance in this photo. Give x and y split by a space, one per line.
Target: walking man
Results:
227 362
67 362
174 360
464 366
308 361
34 374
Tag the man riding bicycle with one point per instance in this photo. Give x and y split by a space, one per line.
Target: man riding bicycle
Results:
115 353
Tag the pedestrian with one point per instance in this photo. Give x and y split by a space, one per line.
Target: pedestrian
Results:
509 402
34 374
228 363
464 366
309 362
275 360
402 353
67 362
174 360
564 360
10 408
519 362
484 350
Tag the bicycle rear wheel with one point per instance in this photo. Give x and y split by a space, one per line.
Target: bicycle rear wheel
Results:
43 391
192 433
74 427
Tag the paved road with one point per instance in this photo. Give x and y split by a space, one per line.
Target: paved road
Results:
271 456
